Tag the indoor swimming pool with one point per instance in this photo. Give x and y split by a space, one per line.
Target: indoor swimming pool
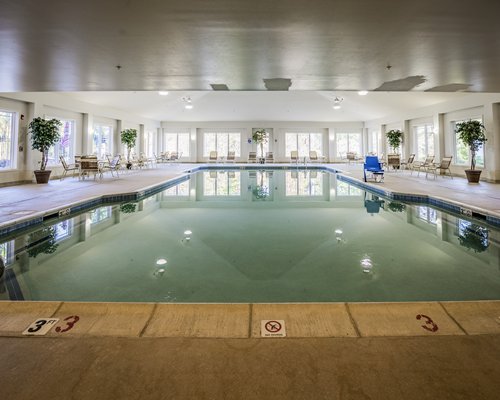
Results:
240 236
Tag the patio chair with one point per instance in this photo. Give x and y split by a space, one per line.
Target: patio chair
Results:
314 158
351 156
212 157
408 164
252 157
231 156
269 157
294 156
444 165
68 167
374 166
394 161
112 166
422 165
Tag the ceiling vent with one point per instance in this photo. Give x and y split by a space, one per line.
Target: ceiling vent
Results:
219 86
452 87
402 85
278 84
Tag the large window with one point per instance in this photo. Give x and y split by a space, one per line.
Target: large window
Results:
462 152
101 140
149 144
222 143
64 229
7 252
100 214
65 146
373 142
348 143
303 143
177 142
221 183
181 190
7 127
427 214
345 189
303 183
424 136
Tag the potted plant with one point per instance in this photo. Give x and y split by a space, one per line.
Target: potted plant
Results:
129 137
471 133
42 241
260 137
44 134
394 137
474 237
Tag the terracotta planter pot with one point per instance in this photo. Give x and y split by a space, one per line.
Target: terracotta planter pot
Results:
473 175
42 176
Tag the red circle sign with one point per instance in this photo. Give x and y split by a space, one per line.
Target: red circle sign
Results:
273 326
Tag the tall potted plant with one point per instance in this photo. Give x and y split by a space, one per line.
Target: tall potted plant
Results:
129 137
394 137
260 137
44 134
471 133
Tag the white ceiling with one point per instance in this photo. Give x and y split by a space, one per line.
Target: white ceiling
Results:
329 45
264 106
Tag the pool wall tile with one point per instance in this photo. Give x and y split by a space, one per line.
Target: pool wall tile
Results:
199 320
103 319
475 317
402 319
15 317
306 320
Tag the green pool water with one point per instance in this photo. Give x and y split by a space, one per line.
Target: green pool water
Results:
255 236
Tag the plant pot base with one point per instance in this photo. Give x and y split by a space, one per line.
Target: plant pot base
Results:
473 175
42 176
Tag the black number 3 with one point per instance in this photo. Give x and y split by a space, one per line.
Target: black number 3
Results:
38 326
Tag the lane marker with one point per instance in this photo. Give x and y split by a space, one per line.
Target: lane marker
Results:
430 325
272 328
40 327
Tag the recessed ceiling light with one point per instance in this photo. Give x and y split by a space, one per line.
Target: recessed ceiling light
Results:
336 102
363 92
188 103
161 261
163 93
188 232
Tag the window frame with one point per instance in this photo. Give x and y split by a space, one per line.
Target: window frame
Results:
56 147
219 134
182 154
14 137
110 141
296 146
427 132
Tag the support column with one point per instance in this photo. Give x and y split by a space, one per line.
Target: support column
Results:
491 122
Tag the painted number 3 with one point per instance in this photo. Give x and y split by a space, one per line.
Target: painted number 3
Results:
70 322
430 325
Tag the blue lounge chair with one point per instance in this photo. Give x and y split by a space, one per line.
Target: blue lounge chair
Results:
373 165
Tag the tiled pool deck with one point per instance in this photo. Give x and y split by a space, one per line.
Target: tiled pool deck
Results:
384 351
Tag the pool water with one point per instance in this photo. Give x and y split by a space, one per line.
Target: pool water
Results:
255 236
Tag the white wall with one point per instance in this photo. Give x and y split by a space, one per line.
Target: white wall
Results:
486 106
278 129
32 105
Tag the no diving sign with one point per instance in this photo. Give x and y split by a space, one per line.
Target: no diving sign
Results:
272 328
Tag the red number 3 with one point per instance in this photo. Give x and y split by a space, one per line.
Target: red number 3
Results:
71 321
430 325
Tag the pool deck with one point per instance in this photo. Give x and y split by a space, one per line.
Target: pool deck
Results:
423 350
